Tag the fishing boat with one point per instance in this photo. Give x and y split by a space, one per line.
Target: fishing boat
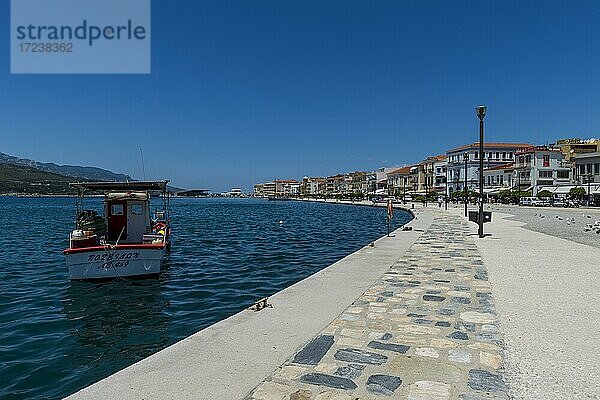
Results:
126 241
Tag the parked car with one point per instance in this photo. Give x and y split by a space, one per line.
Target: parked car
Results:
533 201
559 203
526 201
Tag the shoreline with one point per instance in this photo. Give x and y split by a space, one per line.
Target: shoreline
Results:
246 347
249 355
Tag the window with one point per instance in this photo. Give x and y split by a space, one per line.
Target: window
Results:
521 160
137 209
546 162
510 155
116 209
497 155
562 174
476 155
582 169
504 155
546 174
596 168
589 168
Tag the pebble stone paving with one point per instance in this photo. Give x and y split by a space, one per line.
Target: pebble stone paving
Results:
425 331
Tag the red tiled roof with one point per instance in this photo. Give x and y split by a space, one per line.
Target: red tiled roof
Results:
497 167
488 145
403 170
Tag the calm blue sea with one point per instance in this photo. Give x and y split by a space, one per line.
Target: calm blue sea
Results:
57 336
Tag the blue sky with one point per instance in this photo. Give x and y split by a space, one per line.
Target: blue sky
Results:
246 91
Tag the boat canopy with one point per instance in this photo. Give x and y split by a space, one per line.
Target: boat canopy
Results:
122 186
127 196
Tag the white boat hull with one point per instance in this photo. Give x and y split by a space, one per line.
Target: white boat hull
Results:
103 263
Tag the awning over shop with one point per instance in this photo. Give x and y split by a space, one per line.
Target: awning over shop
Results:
494 190
563 190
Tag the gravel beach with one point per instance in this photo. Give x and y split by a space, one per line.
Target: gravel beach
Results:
546 284
565 223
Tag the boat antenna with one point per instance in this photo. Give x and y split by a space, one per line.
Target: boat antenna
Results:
143 169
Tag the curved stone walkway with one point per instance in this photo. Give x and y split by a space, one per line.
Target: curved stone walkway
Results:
426 330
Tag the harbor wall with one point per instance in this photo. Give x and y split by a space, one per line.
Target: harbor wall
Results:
228 359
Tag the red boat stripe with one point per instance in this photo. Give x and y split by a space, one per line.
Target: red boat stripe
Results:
118 247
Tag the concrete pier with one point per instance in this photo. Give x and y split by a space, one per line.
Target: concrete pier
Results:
432 313
227 360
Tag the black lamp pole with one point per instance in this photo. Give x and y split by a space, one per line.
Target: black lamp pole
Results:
446 193
589 195
466 157
481 114
426 185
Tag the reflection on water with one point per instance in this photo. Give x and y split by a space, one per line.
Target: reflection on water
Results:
126 318
58 336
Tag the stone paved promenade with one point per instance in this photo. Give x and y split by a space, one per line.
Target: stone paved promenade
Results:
426 330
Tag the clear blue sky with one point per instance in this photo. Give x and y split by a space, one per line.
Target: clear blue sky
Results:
245 91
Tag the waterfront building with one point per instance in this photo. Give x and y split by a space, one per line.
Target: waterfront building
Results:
358 182
335 185
259 190
587 167
234 192
432 175
494 154
398 182
377 181
538 166
312 186
573 147
288 188
498 178
413 178
194 193
269 189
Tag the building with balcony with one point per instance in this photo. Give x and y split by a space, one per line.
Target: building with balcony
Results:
358 182
587 167
498 177
398 182
259 190
574 147
538 166
494 154
313 186
377 180
432 175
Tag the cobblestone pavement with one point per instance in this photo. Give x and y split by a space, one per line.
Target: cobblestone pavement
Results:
426 330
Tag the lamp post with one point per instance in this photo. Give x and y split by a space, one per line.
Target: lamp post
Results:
481 115
426 185
446 192
466 157
589 195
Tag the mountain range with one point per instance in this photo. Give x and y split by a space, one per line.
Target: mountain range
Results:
74 171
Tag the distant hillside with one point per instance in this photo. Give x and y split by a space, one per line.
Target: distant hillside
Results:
23 179
91 173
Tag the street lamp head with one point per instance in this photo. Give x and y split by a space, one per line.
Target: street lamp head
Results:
481 111
465 156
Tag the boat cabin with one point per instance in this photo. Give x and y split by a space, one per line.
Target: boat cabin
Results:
127 216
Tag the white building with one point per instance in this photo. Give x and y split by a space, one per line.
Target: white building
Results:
538 166
498 178
495 154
